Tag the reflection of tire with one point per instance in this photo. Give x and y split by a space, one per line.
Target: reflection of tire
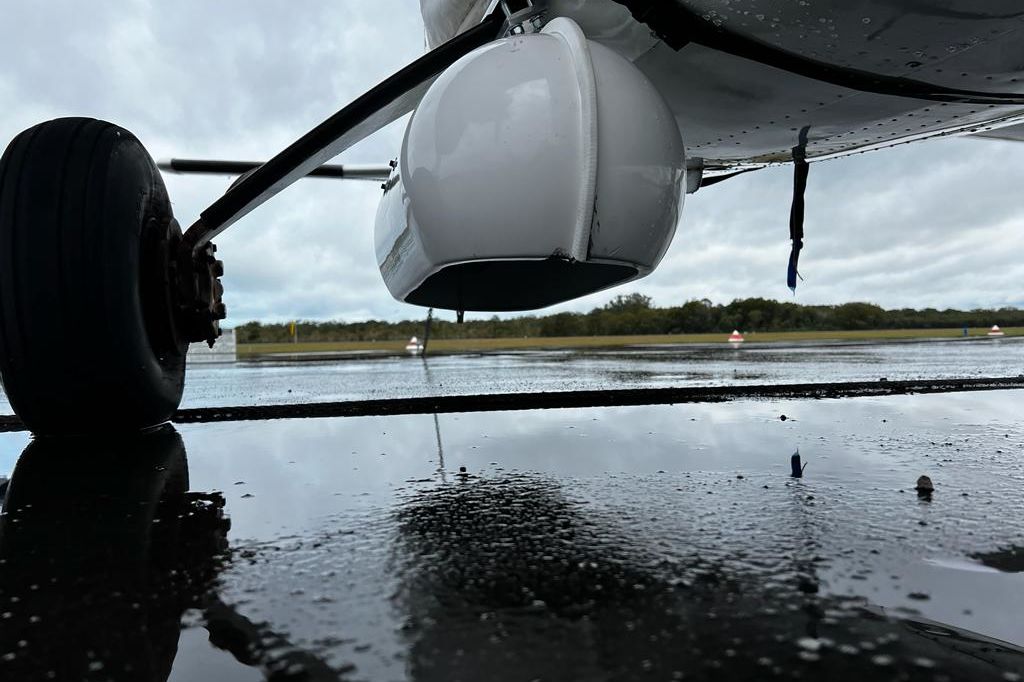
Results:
87 336
88 547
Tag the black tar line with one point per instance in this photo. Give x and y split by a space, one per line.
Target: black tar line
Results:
575 399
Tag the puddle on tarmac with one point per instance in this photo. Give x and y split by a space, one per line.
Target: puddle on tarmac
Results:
664 542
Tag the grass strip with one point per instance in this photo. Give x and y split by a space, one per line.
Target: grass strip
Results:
255 350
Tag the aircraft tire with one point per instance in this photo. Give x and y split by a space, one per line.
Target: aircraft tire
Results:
88 340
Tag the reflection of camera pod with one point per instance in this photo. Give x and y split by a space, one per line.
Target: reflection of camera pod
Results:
506 578
104 550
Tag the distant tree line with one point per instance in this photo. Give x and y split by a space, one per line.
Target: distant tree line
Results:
634 314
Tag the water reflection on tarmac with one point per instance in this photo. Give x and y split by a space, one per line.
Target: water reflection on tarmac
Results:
664 542
565 370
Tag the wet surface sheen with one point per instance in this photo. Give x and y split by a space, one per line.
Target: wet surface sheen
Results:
367 377
564 370
662 543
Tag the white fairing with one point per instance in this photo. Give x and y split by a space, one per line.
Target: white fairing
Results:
536 169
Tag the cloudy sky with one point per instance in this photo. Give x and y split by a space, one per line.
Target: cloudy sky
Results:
940 224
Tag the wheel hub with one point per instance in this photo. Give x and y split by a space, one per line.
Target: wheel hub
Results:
200 306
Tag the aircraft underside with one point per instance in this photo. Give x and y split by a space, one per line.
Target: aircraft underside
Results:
735 111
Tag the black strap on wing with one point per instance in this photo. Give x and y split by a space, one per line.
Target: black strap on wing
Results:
796 210
678 26
796 221
385 103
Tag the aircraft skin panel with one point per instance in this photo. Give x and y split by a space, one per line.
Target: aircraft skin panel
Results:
937 41
734 112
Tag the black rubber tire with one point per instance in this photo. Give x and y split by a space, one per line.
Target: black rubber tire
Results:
87 336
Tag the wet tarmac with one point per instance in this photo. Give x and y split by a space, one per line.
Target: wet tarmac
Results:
615 543
618 368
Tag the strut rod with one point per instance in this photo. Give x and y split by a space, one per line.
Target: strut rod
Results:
219 167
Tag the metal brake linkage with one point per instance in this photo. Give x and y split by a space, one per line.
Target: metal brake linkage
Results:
523 16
